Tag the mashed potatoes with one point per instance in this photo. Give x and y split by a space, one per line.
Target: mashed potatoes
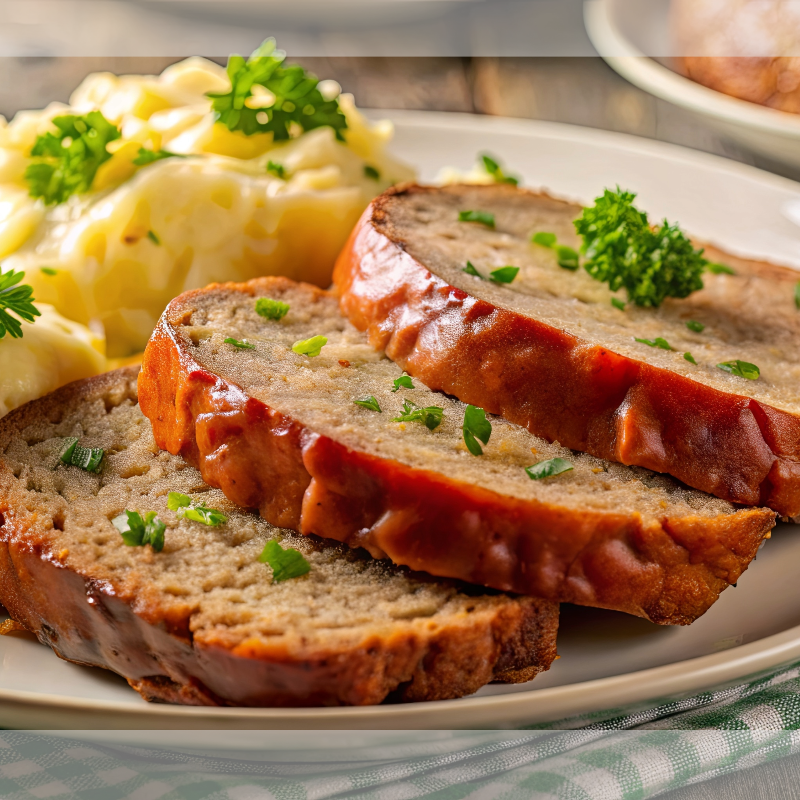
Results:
52 351
234 207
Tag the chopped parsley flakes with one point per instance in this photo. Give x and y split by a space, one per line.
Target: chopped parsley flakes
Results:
657 342
310 347
549 468
742 369
278 170
243 345
137 531
286 563
484 217
544 239
186 508
499 275
371 172
86 458
496 171
368 402
690 358
403 382
695 326
476 427
271 309
430 417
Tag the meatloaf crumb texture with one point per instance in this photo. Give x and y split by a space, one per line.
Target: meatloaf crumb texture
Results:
601 534
550 351
202 622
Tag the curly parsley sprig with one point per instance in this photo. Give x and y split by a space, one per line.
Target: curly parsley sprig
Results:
68 159
18 299
623 250
292 97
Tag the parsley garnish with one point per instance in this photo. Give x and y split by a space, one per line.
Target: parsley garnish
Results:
657 342
69 158
430 417
48 271
470 270
146 156
484 217
371 172
695 326
617 303
499 275
503 274
742 369
271 309
567 257
278 170
310 347
546 469
476 427
286 563
368 402
719 269
622 250
292 97
137 531
86 458
243 345
797 295
690 358
187 508
544 239
495 170
151 235
403 382
17 300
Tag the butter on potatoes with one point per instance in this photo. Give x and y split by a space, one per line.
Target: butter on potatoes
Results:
218 212
52 351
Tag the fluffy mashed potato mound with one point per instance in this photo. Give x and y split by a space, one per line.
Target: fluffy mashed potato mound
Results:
52 351
232 208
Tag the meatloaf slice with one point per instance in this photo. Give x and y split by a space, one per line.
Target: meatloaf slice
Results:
549 351
282 432
202 622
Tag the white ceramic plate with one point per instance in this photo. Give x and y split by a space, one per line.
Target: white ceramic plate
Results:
623 31
608 659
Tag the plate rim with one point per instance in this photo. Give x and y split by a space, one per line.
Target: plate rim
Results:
533 706
642 71
530 706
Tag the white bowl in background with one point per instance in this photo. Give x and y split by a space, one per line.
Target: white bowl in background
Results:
623 31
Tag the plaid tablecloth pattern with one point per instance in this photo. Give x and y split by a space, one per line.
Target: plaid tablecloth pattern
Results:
610 756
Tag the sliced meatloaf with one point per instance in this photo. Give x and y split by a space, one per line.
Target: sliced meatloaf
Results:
549 351
282 431
202 621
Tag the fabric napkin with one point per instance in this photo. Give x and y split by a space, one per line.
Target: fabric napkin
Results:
609 756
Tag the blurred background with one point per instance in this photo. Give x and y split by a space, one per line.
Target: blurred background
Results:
520 58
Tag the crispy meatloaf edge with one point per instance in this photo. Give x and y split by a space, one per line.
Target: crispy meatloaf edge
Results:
566 389
670 571
85 622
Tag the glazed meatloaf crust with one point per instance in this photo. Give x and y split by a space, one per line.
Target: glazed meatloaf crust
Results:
281 431
201 621
550 352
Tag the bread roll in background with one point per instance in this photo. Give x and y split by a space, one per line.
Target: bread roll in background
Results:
748 49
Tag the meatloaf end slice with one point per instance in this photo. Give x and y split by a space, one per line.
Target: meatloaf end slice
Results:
202 622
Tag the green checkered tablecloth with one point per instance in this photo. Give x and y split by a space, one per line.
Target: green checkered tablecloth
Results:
610 756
